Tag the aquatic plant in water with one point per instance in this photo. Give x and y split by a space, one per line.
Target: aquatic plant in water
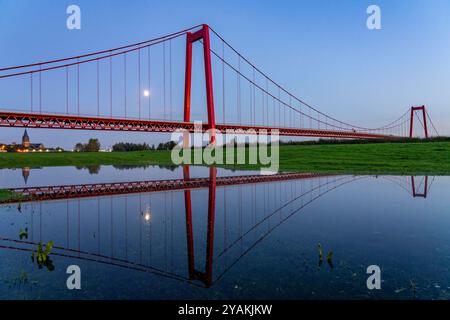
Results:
330 259
329 256
23 233
319 249
42 256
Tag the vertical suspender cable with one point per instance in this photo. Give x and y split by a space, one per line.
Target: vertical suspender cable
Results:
290 110
251 101
67 224
78 86
40 89
31 91
318 120
170 79
125 81
238 90
112 225
267 101
310 118
150 227
139 82
98 225
140 230
40 221
279 106
300 115
110 86
273 123
223 82
263 102
98 88
79 225
149 84
171 233
126 227
165 230
164 78
67 90
254 98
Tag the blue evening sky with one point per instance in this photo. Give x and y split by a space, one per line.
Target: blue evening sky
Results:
320 50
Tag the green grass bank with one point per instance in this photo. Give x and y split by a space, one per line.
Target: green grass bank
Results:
372 158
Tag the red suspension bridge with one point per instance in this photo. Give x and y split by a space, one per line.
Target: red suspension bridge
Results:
137 87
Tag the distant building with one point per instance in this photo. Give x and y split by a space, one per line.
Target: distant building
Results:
25 139
27 146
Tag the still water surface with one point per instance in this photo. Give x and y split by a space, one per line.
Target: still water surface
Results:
238 241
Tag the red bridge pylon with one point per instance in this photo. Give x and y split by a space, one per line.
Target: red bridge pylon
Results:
191 37
424 124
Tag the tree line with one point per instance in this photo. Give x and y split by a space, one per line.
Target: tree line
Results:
127 146
93 145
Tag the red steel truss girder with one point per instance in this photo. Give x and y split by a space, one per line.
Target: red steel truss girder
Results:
51 121
105 189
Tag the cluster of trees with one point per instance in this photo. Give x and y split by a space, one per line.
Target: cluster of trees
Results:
126 146
167 145
92 146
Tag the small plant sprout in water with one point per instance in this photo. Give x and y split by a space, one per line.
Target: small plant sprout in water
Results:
42 256
21 281
23 233
330 259
329 256
319 249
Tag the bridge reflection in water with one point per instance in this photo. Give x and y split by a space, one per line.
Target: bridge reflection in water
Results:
140 225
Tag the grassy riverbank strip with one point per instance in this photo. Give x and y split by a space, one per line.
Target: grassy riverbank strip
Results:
7 195
431 158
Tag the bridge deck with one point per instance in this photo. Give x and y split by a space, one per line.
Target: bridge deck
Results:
42 193
54 121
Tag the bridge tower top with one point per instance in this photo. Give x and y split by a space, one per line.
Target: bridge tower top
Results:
423 111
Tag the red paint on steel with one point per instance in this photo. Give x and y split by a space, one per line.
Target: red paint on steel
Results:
53 121
211 219
41 193
424 116
202 34
189 227
425 188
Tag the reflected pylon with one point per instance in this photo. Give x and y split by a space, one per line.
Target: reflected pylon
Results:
194 274
425 188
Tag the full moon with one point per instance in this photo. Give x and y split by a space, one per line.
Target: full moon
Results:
146 93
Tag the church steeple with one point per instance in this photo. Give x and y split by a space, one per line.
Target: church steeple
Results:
25 140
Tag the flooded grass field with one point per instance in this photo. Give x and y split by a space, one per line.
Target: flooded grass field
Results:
221 234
